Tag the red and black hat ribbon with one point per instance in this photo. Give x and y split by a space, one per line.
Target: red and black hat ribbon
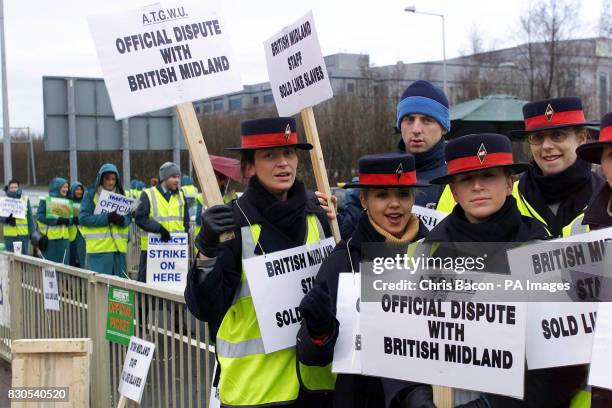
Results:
383 179
268 139
555 119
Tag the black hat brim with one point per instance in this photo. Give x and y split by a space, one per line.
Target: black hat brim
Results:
523 133
591 152
359 185
302 146
515 168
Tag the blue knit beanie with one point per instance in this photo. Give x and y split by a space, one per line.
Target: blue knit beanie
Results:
424 98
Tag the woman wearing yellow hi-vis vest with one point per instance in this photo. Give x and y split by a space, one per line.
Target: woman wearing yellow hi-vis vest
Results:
77 242
17 229
559 186
162 210
55 244
274 214
106 234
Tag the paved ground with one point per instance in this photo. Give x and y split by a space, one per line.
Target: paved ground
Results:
5 383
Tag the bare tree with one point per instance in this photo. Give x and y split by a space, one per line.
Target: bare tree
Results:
605 20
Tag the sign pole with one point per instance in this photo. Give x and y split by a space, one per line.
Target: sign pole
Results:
122 402
318 163
201 160
444 397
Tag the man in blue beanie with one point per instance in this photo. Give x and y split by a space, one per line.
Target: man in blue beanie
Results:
422 119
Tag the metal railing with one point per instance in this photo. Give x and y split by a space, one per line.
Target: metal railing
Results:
181 370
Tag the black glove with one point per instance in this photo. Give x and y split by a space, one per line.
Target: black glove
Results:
10 220
215 221
114 218
42 244
165 235
316 310
477 403
63 221
417 396
75 220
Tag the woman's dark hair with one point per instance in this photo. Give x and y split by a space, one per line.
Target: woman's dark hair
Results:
247 157
13 181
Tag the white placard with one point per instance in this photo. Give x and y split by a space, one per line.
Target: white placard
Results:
444 348
347 352
136 368
214 401
13 206
297 71
50 292
5 307
109 202
278 282
599 374
164 54
168 262
430 218
560 332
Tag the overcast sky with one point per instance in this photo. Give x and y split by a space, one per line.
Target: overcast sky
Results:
52 37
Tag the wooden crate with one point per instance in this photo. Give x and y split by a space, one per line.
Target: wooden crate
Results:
53 363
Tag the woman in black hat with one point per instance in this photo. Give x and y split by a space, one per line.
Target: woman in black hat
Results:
559 186
388 184
273 214
480 169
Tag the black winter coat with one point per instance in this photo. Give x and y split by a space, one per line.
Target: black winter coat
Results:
356 391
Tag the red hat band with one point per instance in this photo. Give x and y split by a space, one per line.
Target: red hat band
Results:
606 134
475 163
269 140
383 179
551 118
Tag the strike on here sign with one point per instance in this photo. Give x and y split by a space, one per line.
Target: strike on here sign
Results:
278 281
168 262
164 54
109 202
297 71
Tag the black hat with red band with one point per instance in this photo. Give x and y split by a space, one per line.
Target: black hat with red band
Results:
591 152
478 152
269 133
553 113
387 170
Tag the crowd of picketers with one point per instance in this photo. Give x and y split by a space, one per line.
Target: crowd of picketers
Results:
487 196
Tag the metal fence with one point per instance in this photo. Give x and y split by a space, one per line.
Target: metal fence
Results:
181 370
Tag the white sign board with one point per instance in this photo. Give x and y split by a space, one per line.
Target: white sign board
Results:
109 202
50 292
445 343
13 206
560 332
136 368
297 71
168 262
164 54
347 352
214 401
5 307
430 218
278 282
599 374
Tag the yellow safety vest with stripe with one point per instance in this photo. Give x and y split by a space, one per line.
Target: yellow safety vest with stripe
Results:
200 199
21 224
575 227
107 238
446 203
52 231
190 191
72 229
525 208
168 213
248 376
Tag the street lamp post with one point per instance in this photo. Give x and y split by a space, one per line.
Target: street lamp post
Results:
412 9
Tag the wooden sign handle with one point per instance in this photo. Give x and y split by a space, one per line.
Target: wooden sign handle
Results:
122 402
318 163
201 160
444 397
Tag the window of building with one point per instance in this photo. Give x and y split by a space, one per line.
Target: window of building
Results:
350 87
375 89
207 108
218 106
198 110
268 98
256 100
235 104
603 93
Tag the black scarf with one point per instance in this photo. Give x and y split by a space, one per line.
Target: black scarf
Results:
572 189
596 215
428 160
287 217
502 226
